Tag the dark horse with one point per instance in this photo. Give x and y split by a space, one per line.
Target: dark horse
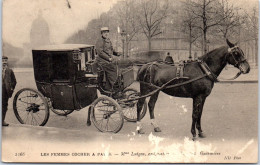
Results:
159 74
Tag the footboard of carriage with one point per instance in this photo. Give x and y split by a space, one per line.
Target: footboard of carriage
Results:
125 77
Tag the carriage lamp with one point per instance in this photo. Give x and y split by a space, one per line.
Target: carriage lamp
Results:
76 55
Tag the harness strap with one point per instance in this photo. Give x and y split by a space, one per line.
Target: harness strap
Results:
207 71
186 82
179 71
164 86
212 76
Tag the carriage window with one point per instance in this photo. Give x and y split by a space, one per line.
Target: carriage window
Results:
60 66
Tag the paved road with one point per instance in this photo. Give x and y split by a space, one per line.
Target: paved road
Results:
229 121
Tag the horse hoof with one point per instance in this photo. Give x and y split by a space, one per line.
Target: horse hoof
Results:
88 123
202 135
194 138
140 131
157 129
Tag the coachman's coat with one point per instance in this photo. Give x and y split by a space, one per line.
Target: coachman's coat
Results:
104 52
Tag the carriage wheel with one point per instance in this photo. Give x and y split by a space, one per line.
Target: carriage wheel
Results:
106 114
30 107
62 112
130 109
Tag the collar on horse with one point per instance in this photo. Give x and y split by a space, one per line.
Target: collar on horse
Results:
207 71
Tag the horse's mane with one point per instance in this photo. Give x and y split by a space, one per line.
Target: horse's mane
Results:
213 52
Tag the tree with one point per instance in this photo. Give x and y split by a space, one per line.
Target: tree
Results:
231 20
150 15
251 27
88 35
91 33
127 20
206 12
189 25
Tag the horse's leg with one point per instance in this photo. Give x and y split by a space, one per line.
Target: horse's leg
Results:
151 106
198 125
89 113
140 104
197 102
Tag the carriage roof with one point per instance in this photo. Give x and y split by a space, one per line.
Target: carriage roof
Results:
62 47
59 62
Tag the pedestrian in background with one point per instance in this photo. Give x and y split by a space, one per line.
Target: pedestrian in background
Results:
169 59
8 85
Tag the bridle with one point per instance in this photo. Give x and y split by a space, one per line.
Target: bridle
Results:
232 52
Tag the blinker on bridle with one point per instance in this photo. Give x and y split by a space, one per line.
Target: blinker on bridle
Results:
231 51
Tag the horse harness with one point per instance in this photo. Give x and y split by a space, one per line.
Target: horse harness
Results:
179 74
205 68
179 71
164 86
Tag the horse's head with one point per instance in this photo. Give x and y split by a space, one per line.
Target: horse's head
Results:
237 58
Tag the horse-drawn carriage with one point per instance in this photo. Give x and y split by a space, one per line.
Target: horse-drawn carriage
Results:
67 79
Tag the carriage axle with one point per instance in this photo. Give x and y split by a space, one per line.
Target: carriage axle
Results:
33 107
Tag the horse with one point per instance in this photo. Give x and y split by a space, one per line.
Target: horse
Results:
158 75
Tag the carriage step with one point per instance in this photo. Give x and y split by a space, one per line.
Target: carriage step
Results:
91 75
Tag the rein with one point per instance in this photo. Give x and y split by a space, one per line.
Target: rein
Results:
204 67
233 78
164 86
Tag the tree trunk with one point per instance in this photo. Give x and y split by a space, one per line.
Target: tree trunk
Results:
126 49
202 46
190 57
149 44
256 52
205 41
204 27
123 49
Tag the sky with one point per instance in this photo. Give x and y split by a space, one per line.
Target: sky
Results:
18 15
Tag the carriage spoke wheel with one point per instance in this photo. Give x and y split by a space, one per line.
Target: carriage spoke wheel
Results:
62 112
107 115
130 108
30 107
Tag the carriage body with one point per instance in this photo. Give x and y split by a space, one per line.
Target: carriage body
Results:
67 79
59 72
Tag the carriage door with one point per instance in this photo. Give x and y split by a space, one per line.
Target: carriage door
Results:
62 90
